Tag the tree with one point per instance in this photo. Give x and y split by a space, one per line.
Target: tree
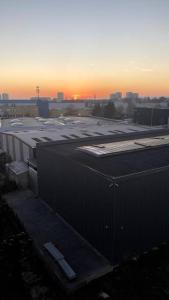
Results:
109 110
97 110
71 111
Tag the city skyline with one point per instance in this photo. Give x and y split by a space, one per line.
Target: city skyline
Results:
84 48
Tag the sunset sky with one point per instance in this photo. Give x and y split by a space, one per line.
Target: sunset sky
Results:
85 48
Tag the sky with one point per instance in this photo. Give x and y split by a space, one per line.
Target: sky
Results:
84 47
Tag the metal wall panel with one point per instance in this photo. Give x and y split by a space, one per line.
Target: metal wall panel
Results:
1 141
141 214
11 148
21 149
17 150
13 144
4 142
33 180
31 153
77 194
25 152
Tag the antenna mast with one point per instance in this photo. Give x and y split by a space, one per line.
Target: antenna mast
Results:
37 92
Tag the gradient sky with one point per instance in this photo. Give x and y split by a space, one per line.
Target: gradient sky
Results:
84 47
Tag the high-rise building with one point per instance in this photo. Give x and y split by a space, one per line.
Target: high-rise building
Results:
0 97
132 95
116 96
60 96
5 96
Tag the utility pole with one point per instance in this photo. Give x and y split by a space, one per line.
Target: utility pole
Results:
37 92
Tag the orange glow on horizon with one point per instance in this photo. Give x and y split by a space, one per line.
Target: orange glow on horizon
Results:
76 97
86 93
84 89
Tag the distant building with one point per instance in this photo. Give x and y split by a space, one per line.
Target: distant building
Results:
0 97
116 96
5 96
132 95
43 108
41 98
151 116
60 96
18 108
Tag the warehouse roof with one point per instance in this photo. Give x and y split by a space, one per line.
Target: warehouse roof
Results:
34 130
115 165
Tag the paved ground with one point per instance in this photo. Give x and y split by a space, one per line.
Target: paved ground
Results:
44 226
22 275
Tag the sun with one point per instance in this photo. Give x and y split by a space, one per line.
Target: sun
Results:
75 97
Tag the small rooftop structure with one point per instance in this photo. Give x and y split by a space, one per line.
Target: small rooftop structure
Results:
17 167
18 172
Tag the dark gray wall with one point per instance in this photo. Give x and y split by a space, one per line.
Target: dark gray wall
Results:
77 194
120 221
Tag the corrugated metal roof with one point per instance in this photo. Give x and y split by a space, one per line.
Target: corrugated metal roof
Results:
56 133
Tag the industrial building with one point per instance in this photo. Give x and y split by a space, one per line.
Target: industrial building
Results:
132 96
113 191
20 108
60 96
89 198
151 116
116 96
5 96
19 136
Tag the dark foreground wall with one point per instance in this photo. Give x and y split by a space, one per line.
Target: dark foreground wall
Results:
121 219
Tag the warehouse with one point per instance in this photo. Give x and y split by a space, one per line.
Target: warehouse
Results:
114 192
19 137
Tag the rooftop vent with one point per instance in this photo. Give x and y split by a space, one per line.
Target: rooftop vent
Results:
37 140
86 134
46 138
75 136
131 129
119 131
66 137
99 133
111 131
